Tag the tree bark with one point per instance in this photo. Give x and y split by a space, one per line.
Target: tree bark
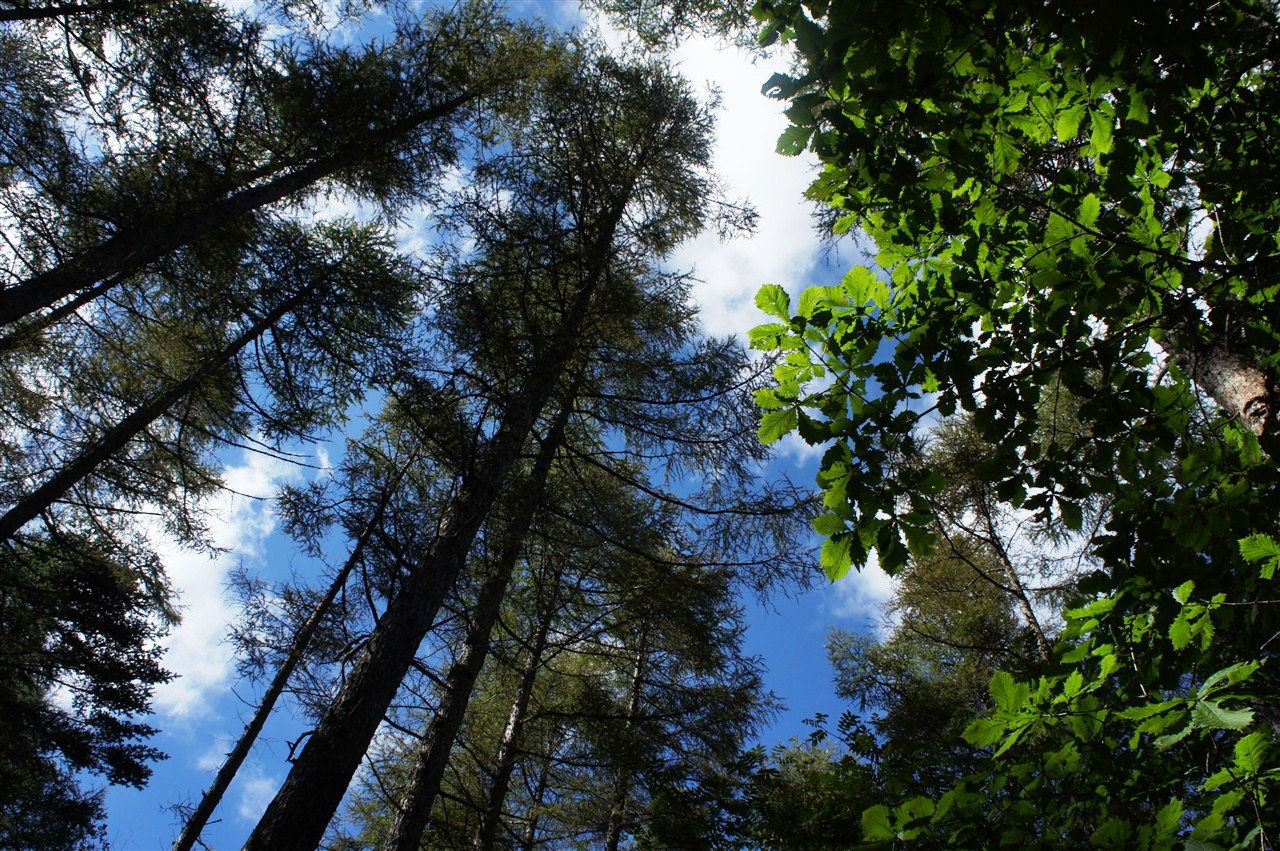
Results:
127 252
622 783
508 747
301 810
44 496
529 836
429 765
1239 387
297 648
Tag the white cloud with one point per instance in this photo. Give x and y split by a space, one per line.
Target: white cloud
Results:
239 523
213 758
255 795
861 595
784 246
798 450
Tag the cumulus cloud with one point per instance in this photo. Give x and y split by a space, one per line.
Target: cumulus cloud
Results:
784 247
861 595
239 523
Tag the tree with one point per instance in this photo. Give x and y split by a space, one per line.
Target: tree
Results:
598 192
378 122
579 732
76 673
177 308
802 795
1068 204
335 292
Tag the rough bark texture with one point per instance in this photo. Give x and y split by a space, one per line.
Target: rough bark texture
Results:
1241 389
429 765
298 647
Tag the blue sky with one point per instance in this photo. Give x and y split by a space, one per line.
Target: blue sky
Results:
204 709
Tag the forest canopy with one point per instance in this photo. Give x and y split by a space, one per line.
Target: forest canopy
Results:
439 240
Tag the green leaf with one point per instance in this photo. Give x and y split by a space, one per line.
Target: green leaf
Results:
1058 229
1101 137
876 823
794 140
827 525
1008 693
1250 752
1114 833
775 424
767 337
1067 124
863 287
773 300
984 732
1168 818
1089 209
835 558
1262 548
844 224
1006 154
1228 676
1211 715
914 809
812 298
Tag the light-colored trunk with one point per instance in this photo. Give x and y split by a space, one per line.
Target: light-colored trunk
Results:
508 747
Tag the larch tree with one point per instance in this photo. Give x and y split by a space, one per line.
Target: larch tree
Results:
607 176
170 306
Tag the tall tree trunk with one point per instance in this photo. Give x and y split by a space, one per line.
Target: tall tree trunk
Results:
129 251
297 649
429 765
622 782
529 836
44 496
300 812
508 747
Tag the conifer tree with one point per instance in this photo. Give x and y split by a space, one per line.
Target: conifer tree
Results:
594 190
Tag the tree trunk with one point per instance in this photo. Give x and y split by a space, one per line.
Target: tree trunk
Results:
1239 387
622 783
301 810
127 252
297 648
529 836
508 747
428 768
44 496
